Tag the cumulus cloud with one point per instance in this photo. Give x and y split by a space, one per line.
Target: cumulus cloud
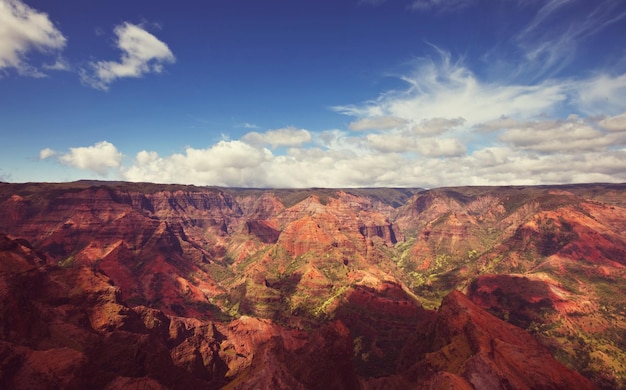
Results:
99 158
441 147
288 136
424 138
46 153
391 143
23 29
434 126
497 124
614 123
507 165
142 53
229 163
523 155
236 163
560 137
377 123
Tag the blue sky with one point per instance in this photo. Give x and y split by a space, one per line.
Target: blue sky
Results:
349 93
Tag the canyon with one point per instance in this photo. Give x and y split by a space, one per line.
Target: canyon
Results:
117 285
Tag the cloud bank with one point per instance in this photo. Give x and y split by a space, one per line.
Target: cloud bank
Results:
509 152
22 30
142 53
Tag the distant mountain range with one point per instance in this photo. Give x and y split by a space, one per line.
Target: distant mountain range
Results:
138 285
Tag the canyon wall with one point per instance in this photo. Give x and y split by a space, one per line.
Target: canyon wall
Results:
319 288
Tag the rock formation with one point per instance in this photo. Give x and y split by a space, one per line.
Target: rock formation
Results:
117 285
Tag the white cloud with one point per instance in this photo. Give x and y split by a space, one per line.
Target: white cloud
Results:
434 126
23 29
60 64
560 137
377 123
449 90
601 94
229 163
447 127
614 123
447 110
99 158
510 166
550 41
497 124
142 53
451 130
526 155
441 147
420 139
46 153
391 143
288 136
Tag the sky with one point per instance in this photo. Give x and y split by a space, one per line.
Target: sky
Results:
298 93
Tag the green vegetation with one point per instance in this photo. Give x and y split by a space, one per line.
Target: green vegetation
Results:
68 261
320 311
219 272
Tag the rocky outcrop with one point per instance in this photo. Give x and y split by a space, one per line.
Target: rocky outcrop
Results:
476 350
71 329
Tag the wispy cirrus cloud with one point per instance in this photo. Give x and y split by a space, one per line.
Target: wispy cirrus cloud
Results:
446 89
426 5
22 30
441 5
142 53
550 41
601 94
